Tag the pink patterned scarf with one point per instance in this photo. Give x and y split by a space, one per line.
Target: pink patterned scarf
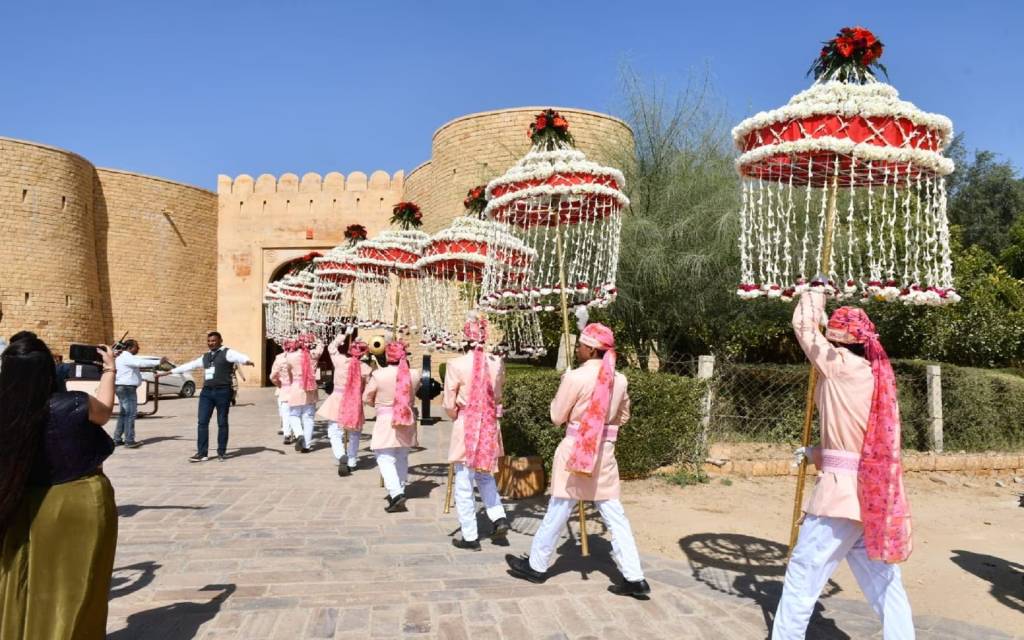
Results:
402 416
480 415
306 342
884 508
591 428
350 413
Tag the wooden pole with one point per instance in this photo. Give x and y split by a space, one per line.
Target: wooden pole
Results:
559 241
812 377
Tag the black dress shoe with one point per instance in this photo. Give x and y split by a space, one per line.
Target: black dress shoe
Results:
637 590
118 443
300 443
132 445
396 504
501 528
520 568
343 469
469 545
288 440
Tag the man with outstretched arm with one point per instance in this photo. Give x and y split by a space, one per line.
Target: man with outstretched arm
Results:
216 364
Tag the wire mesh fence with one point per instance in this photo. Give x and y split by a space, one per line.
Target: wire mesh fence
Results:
766 403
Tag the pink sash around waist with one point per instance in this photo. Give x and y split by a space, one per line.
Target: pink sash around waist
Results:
384 410
611 431
839 461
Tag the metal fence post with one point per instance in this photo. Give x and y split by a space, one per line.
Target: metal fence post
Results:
934 378
705 370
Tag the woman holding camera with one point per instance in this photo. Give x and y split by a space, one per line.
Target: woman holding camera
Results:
58 519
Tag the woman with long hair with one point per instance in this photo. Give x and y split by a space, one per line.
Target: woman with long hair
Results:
58 519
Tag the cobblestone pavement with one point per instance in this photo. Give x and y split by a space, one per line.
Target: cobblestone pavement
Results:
272 544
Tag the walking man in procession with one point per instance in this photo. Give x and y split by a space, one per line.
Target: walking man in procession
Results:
593 402
216 364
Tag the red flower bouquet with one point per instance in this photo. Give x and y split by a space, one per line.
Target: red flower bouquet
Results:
355 233
849 57
550 130
407 215
476 200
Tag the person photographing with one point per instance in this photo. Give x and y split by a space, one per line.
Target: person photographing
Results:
126 386
58 518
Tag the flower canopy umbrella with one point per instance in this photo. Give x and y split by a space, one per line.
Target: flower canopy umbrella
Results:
849 146
451 273
387 264
569 211
847 182
332 307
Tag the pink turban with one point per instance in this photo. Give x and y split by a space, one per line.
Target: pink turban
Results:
591 429
885 510
402 416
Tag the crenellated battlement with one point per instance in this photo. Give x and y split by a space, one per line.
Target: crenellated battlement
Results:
333 182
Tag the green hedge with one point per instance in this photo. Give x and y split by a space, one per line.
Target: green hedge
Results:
982 408
665 422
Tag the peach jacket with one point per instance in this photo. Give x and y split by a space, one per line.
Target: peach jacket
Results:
568 407
457 378
843 398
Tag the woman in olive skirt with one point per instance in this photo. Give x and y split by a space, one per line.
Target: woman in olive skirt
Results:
58 519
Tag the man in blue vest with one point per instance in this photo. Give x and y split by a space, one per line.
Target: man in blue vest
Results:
217 365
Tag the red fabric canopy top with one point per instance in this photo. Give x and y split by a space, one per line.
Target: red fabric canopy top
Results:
574 208
818 166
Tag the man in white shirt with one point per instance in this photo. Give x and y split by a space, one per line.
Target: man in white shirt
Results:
217 364
126 384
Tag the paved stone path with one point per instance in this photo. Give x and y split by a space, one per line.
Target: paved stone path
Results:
272 544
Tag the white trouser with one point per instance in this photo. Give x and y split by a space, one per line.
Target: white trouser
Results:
336 435
624 552
394 468
822 544
465 504
284 411
301 420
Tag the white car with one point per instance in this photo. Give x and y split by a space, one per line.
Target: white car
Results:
176 384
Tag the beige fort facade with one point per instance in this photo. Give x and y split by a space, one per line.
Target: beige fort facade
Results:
89 253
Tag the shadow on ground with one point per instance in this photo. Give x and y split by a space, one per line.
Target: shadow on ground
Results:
178 621
131 578
753 568
251 451
129 510
1006 578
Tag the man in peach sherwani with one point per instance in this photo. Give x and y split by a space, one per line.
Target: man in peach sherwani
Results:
391 390
302 392
342 349
472 394
283 410
592 399
832 528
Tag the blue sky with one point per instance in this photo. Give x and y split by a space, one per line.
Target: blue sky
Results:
188 90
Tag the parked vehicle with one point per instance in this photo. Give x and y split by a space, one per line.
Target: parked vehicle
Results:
176 384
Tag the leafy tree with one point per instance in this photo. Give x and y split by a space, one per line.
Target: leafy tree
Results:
986 199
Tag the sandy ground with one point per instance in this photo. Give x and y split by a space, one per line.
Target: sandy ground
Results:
968 560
